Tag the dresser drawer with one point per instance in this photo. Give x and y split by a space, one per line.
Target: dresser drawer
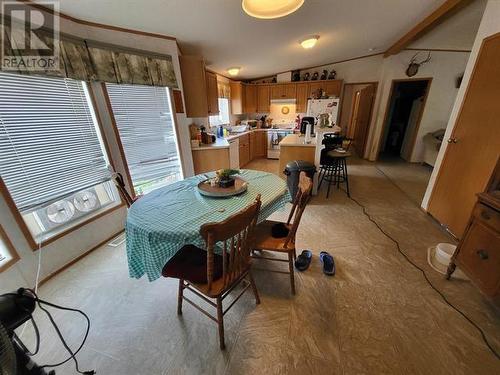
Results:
479 257
487 215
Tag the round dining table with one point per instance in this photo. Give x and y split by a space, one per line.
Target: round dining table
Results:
161 222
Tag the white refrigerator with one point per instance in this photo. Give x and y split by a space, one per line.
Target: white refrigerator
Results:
316 107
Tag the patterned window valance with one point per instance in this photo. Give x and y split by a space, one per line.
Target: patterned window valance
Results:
91 61
223 89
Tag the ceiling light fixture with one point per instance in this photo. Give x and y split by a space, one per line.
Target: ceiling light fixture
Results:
309 42
233 71
266 9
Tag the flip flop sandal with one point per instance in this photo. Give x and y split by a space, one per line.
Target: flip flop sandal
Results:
303 260
328 263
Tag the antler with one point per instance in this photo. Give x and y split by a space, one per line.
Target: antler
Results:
426 60
414 57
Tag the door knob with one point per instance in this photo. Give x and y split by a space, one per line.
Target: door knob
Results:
452 140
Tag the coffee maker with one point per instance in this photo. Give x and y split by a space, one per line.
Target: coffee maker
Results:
303 124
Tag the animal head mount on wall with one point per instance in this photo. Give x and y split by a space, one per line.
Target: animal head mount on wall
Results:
414 65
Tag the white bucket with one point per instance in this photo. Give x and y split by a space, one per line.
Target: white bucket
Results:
444 252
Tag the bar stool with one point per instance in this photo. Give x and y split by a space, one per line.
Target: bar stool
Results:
333 165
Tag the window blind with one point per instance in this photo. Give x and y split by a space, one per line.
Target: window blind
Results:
49 147
143 118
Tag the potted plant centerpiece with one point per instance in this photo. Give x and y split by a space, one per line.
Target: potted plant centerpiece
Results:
225 177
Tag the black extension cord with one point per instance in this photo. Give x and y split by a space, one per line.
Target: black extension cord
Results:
49 315
405 256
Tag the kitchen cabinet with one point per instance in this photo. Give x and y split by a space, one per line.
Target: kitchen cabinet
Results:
212 94
237 98
206 160
256 98
253 145
234 153
194 82
301 95
291 153
289 91
283 91
277 91
478 253
260 144
263 98
331 88
250 102
244 154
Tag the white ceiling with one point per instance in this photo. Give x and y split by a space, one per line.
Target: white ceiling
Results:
225 36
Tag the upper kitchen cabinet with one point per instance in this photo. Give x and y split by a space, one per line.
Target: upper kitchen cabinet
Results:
237 98
263 98
331 88
283 91
301 96
212 93
250 102
194 82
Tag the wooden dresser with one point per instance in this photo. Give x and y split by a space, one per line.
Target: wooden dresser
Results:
478 253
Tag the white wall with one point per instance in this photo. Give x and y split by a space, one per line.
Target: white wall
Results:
490 25
62 251
366 69
443 68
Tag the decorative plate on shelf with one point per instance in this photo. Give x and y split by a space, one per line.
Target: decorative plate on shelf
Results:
240 186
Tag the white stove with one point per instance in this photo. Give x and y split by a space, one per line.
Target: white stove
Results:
274 137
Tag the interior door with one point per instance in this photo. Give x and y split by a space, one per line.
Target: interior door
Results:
474 145
361 117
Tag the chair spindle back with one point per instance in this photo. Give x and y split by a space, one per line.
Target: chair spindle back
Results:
299 205
236 234
120 185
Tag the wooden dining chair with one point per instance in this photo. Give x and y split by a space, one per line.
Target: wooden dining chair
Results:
120 185
212 276
265 241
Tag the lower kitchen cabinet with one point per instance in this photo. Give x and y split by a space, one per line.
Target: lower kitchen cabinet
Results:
207 160
240 152
244 149
258 144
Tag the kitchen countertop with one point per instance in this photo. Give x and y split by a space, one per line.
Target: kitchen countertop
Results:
219 143
224 142
236 135
297 140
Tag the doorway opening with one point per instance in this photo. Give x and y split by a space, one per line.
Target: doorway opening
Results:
404 112
397 157
356 113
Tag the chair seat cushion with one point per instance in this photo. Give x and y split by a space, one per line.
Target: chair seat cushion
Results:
265 241
335 154
190 263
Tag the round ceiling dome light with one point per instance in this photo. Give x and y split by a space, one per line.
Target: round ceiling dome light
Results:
269 9
309 42
233 71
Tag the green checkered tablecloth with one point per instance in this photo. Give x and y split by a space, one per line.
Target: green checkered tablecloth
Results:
161 222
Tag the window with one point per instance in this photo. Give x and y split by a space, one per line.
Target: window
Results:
143 117
223 117
52 158
8 255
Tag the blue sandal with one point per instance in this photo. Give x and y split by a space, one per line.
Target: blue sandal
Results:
328 263
303 260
